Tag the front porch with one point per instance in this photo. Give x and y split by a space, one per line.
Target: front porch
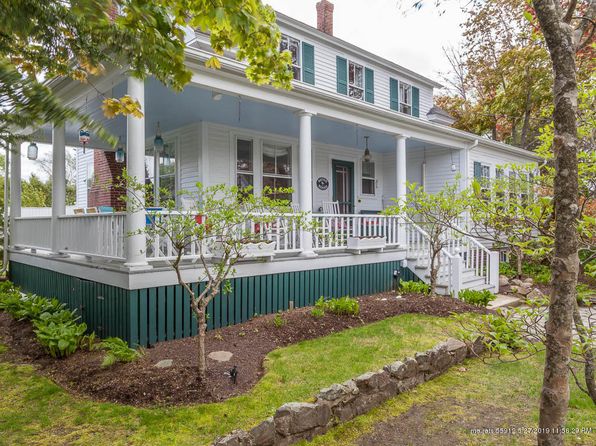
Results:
218 131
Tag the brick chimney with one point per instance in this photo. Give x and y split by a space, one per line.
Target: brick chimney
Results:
325 17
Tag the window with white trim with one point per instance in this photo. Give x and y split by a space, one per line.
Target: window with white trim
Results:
293 46
277 168
405 98
244 163
368 178
355 80
167 171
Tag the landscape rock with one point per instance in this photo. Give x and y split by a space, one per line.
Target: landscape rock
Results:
221 356
164 364
264 433
457 349
295 418
522 290
517 282
529 281
503 280
396 369
409 383
423 360
371 381
338 393
411 369
535 294
475 348
235 438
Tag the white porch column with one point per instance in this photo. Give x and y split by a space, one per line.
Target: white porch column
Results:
135 165
58 183
400 175
305 178
15 182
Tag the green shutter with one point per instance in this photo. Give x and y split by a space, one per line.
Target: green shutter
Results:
477 170
415 102
342 75
393 94
308 63
369 85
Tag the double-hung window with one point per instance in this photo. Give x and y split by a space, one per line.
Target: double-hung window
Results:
355 80
293 46
161 172
368 178
405 98
277 169
244 164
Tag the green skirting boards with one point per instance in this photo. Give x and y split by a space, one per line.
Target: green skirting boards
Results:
150 315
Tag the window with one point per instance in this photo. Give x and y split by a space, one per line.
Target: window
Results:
293 46
244 163
368 178
277 168
166 173
405 98
356 80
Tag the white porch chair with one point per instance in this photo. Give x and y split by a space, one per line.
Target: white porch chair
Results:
331 207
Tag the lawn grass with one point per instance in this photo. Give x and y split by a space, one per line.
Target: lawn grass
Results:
484 395
33 410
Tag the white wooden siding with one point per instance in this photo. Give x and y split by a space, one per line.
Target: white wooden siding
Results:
84 162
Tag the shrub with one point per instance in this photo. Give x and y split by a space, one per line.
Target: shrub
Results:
60 339
117 350
317 312
279 321
345 305
540 273
474 297
506 269
413 287
33 306
585 294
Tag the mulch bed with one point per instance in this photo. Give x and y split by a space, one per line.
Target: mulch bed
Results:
142 384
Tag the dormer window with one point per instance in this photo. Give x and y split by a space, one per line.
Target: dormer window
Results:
405 98
356 80
293 46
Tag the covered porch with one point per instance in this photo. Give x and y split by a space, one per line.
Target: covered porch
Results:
344 168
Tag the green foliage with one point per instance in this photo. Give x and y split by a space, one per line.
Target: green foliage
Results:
345 305
413 287
317 312
540 273
279 321
506 269
585 294
501 334
117 350
42 40
60 339
475 297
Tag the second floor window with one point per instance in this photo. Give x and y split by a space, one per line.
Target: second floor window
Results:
405 98
356 80
293 46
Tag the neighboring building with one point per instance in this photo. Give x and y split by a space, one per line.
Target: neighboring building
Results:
224 129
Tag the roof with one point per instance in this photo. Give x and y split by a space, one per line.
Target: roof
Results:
439 111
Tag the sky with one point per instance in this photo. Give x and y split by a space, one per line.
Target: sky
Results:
414 40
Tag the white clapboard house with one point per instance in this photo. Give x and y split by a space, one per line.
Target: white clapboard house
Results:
347 137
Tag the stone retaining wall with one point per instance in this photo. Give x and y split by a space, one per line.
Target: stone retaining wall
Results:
339 403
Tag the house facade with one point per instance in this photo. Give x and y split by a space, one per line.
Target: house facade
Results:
347 137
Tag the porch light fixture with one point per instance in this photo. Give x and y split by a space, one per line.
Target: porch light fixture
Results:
120 151
32 151
158 141
216 96
453 166
367 156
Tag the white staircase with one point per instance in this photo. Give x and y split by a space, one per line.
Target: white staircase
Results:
464 262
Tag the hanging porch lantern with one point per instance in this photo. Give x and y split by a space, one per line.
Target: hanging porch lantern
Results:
367 156
158 140
84 138
32 151
120 156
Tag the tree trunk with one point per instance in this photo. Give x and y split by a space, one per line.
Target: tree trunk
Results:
586 341
434 271
202 329
555 388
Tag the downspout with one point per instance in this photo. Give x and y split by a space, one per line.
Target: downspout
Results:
5 214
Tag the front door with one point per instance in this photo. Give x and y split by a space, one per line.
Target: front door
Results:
343 185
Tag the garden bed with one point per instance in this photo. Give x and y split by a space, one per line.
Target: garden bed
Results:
141 383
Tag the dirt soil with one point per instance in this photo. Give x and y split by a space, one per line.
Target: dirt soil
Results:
142 384
419 426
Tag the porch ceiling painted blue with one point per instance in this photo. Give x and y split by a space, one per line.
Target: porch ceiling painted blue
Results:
195 104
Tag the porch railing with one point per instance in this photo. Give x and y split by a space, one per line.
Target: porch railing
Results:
97 235
32 232
331 231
